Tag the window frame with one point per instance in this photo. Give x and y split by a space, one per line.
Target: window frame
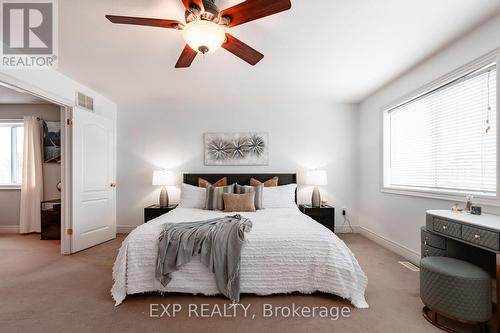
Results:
14 123
494 200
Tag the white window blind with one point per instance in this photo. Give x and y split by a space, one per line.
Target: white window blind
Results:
445 140
11 153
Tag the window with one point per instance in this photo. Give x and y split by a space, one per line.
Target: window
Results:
11 153
445 141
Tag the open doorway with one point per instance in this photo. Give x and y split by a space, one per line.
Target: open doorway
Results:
31 166
87 169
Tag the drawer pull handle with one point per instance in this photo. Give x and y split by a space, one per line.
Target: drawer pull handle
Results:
476 236
445 227
425 241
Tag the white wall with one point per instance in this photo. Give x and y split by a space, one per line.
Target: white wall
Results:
398 218
10 200
301 136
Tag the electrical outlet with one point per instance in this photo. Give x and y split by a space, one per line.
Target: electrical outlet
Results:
343 212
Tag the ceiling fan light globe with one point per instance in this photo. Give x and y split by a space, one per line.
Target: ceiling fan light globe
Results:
204 35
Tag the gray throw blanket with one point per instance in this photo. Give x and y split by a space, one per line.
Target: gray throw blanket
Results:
217 241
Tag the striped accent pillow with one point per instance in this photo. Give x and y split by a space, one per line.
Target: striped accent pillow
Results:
214 199
259 193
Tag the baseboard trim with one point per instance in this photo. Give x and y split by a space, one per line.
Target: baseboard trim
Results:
9 229
345 229
403 251
125 229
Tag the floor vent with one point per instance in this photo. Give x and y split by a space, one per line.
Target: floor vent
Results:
410 266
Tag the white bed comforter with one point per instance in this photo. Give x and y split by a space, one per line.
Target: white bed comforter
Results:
286 251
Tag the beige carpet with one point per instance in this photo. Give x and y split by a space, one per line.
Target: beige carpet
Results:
41 291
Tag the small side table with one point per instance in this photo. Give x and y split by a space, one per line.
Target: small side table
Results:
50 211
154 211
324 215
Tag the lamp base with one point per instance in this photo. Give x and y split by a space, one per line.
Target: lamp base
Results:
316 198
163 197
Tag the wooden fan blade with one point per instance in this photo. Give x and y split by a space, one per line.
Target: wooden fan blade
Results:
242 50
254 9
186 58
170 24
197 3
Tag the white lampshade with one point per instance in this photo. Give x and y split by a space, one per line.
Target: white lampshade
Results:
316 178
163 178
204 36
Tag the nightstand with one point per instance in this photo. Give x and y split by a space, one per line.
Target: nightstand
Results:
50 219
324 215
153 211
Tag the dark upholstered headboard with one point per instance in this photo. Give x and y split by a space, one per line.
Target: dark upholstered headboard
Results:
240 178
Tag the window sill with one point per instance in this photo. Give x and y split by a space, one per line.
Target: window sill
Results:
456 198
10 187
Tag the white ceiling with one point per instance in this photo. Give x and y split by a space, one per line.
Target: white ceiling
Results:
332 50
11 96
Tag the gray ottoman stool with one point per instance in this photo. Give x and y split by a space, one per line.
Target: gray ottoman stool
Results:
455 289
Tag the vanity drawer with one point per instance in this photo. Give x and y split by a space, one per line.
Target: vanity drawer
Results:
433 240
447 227
481 237
429 251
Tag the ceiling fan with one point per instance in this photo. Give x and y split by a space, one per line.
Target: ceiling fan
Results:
205 27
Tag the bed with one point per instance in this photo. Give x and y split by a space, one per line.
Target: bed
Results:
285 252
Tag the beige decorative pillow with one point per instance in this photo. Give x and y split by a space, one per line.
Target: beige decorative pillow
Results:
268 183
203 183
239 202
259 193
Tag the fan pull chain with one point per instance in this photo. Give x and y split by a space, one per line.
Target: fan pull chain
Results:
488 127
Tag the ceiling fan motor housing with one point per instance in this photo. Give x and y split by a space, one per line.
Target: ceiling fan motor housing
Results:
210 12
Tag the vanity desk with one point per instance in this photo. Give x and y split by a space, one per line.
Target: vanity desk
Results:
472 238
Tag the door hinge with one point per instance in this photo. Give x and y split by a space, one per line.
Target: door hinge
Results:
69 121
69 231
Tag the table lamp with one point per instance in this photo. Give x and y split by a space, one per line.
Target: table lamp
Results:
163 178
316 178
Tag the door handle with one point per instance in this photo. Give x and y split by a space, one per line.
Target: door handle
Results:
112 185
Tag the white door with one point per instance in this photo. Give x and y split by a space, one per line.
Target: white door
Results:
93 190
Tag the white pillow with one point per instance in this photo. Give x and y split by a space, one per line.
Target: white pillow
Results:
192 196
279 196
